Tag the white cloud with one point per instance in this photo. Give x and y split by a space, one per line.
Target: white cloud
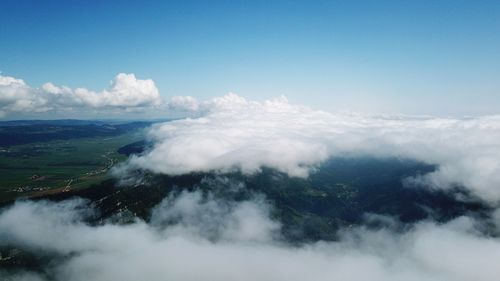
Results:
234 133
184 103
215 218
180 244
127 93
17 96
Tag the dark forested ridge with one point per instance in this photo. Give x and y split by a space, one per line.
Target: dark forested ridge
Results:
137 147
339 194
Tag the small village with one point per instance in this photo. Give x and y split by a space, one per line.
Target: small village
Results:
35 178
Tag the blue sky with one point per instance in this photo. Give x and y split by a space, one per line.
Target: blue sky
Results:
416 57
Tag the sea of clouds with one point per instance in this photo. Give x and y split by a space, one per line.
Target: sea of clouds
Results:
232 133
195 237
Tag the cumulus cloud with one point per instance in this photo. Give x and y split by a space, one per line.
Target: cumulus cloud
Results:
184 103
180 243
126 93
17 96
232 133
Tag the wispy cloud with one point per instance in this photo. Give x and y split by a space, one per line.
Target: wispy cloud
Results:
192 237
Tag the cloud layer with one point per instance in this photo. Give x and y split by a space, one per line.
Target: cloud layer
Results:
192 237
126 93
230 133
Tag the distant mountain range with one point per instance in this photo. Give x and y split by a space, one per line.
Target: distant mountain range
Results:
30 131
75 122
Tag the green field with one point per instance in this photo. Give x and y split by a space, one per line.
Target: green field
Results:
57 166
